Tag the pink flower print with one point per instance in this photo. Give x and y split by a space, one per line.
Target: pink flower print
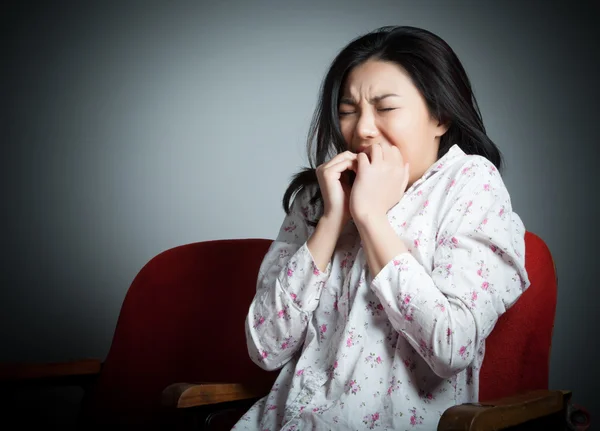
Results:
450 185
335 305
424 207
426 349
427 397
322 330
287 343
331 370
316 270
374 309
353 387
291 227
373 360
371 420
271 407
300 372
284 313
403 224
304 211
295 299
411 365
414 418
501 212
466 170
420 192
349 341
463 351
290 272
486 187
469 205
258 320
485 285
483 270
396 262
448 269
264 354
442 307
346 262
405 308
454 241
448 335
394 385
417 240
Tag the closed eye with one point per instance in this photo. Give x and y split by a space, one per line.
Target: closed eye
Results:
343 113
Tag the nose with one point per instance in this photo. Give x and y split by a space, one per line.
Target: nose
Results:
365 131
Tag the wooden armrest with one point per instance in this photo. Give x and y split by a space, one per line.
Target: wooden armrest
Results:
505 412
19 372
184 395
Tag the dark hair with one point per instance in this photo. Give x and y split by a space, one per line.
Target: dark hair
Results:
436 72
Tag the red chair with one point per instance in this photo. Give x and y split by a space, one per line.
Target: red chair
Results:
182 320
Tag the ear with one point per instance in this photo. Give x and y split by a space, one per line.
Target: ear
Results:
441 128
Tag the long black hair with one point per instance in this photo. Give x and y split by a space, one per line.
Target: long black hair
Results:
436 72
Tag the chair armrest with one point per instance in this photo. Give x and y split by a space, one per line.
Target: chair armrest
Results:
35 372
505 412
184 395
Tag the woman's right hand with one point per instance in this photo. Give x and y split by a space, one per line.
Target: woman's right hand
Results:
335 186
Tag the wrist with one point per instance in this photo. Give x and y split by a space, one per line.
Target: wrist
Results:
371 221
333 224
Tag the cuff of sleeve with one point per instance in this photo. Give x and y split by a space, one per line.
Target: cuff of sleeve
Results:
400 269
302 280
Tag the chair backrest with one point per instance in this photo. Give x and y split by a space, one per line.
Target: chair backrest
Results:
182 320
517 356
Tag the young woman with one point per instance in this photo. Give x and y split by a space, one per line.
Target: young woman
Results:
398 253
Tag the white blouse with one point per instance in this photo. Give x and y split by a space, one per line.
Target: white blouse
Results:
397 350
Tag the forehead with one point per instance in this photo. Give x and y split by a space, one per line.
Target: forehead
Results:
375 76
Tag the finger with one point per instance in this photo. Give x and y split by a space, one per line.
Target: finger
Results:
376 153
339 167
346 155
362 161
395 153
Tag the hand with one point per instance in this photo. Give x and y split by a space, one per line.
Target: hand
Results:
335 186
381 180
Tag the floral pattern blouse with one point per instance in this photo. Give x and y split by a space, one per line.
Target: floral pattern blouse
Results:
393 350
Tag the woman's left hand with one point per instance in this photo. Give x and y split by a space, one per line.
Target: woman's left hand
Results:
381 179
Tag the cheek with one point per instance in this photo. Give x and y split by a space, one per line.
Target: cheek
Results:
347 129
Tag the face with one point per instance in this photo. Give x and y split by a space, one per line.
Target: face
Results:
380 104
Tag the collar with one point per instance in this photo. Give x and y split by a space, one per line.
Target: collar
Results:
453 154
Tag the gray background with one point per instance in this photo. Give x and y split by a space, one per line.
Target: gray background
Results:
127 129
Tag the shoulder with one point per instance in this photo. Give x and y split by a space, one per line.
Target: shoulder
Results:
473 174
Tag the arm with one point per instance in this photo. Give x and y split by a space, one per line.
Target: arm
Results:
289 286
478 272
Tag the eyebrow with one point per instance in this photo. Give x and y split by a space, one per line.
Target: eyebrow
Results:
350 101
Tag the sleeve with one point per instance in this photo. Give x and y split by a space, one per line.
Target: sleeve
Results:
288 290
478 272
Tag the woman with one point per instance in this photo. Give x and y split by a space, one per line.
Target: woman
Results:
398 253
